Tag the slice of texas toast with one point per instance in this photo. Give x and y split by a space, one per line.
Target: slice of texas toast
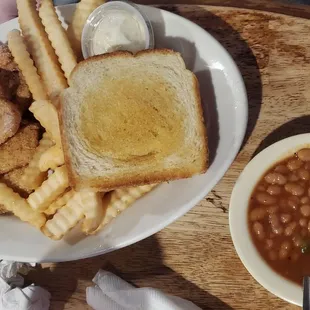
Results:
130 120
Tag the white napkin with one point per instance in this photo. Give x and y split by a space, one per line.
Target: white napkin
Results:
113 293
13 297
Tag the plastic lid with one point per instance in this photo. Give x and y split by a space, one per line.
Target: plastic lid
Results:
100 15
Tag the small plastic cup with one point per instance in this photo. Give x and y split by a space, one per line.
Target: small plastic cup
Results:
97 16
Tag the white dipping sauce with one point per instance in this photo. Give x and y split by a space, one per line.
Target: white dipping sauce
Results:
118 30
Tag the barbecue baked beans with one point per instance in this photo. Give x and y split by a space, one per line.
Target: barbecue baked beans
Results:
279 216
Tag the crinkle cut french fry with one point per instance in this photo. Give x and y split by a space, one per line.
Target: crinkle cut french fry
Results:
59 203
121 199
25 64
50 190
19 206
40 48
93 210
65 219
33 176
58 37
75 29
46 114
52 158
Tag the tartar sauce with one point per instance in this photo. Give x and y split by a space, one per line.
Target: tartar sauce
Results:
116 25
118 30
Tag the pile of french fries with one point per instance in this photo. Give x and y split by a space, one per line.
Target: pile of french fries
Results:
46 54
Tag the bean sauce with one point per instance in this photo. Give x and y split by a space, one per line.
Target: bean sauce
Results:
279 216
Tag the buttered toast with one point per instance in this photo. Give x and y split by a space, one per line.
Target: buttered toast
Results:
130 120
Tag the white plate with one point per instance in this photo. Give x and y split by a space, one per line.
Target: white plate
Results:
224 96
238 223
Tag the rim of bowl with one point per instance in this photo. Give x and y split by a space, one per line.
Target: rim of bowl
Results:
238 221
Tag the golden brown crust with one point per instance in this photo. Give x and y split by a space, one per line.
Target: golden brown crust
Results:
6 59
4 211
10 118
201 120
19 150
23 96
65 145
161 51
12 83
13 180
105 184
133 180
9 81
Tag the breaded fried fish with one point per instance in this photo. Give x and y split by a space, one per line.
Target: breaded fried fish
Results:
12 82
6 59
19 150
13 180
3 210
10 118
23 97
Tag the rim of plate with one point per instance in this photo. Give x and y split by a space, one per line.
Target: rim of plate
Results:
238 92
238 220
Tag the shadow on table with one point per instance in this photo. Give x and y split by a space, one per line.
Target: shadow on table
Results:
239 50
140 264
294 127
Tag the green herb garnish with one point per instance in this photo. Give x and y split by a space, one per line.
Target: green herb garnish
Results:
305 247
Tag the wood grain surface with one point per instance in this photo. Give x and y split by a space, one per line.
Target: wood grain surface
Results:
194 257
276 6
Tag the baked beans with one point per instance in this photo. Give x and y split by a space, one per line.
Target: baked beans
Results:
289 229
294 164
293 177
279 216
304 200
272 255
258 230
303 222
297 240
294 189
282 169
275 178
293 202
305 210
272 209
269 244
285 218
261 188
276 226
274 190
283 203
265 198
258 214
304 154
303 174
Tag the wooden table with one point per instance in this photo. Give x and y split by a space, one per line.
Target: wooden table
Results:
194 257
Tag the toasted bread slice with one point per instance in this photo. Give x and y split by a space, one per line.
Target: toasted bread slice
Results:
131 120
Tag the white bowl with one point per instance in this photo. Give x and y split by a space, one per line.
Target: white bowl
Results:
224 97
238 220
